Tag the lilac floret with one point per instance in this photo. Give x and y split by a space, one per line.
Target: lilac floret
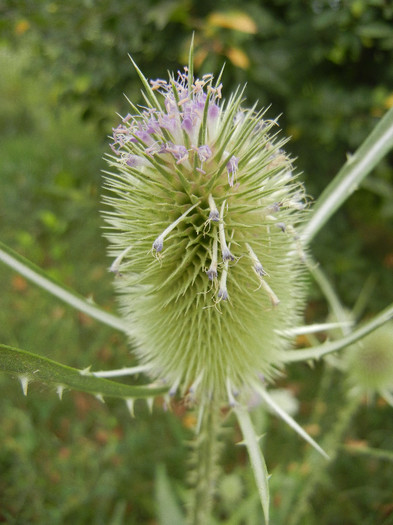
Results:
158 244
179 151
133 161
213 111
212 274
204 153
226 255
187 124
223 294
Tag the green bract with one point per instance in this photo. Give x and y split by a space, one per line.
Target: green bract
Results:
204 210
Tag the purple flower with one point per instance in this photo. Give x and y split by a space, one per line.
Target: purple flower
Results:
232 169
204 153
180 152
187 124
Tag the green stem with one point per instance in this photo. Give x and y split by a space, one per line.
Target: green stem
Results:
348 179
328 291
204 468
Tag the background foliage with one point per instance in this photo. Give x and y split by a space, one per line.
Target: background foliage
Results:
327 67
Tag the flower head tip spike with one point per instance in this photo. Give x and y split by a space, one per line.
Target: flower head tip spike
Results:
201 184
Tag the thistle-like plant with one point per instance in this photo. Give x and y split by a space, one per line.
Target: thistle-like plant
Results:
204 209
208 233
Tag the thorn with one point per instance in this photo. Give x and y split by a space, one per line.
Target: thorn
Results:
167 403
150 403
130 405
59 391
24 381
272 296
100 398
85 371
174 387
115 267
242 443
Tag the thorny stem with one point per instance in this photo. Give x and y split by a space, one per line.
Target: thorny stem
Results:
204 469
348 179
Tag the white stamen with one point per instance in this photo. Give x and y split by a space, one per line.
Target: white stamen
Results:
223 292
158 244
183 101
258 268
214 215
212 271
226 254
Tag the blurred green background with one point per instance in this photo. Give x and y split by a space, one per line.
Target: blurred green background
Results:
327 68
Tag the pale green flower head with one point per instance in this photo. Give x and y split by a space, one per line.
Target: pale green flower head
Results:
204 210
370 363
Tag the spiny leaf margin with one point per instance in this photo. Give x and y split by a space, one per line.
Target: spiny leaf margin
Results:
34 367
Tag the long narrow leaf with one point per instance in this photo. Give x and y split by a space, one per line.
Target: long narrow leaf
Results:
168 509
39 277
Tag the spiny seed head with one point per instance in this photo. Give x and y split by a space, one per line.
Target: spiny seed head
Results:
203 192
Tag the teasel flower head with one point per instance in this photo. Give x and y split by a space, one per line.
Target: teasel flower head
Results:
204 209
